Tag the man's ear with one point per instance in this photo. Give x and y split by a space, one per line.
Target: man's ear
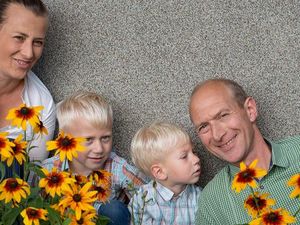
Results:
251 108
158 172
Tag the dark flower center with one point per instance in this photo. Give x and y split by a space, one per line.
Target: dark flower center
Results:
65 142
77 198
2 143
55 179
272 217
80 221
13 184
24 111
246 176
260 203
298 181
32 212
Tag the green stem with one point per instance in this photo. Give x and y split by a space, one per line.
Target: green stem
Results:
296 212
255 200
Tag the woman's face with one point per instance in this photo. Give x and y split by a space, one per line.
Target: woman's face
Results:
22 37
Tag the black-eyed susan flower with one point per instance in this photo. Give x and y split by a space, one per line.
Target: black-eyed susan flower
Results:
100 178
5 146
23 114
87 218
258 203
79 199
33 215
103 193
39 128
79 179
19 151
55 182
66 146
274 217
14 189
295 181
247 176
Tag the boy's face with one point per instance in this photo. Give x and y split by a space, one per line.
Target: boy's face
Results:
98 146
181 165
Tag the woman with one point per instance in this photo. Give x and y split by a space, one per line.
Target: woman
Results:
23 26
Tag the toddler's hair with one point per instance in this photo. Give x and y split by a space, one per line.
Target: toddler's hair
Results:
87 105
151 144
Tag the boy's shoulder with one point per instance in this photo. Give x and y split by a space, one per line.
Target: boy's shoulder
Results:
52 162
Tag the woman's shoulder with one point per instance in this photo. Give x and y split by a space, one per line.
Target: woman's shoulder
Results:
35 92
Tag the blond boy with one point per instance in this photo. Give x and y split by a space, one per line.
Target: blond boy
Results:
164 152
88 115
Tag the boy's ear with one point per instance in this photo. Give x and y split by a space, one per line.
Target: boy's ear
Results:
158 172
251 109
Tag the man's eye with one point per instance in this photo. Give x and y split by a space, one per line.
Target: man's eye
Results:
203 129
19 38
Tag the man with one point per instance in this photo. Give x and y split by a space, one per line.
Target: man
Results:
225 121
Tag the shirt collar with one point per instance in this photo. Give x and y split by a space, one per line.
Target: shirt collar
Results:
166 193
277 159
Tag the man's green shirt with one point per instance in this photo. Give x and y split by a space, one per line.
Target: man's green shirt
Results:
219 204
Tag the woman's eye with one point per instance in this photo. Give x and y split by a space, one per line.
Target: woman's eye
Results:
38 43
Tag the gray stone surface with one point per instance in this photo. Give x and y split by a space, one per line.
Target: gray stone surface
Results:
146 56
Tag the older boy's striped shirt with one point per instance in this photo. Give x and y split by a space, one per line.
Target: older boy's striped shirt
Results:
162 207
123 177
220 205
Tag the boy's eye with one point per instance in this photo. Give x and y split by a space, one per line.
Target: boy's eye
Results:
106 139
89 141
183 156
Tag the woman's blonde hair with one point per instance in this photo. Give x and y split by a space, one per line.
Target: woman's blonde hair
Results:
87 105
151 144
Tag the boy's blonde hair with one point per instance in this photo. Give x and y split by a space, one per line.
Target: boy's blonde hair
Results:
87 105
151 144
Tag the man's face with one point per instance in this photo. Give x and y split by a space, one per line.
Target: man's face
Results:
224 128
22 36
98 146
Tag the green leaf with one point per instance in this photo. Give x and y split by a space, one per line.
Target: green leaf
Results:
10 216
102 220
67 221
2 170
53 216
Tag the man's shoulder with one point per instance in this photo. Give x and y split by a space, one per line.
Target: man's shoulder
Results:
292 140
218 184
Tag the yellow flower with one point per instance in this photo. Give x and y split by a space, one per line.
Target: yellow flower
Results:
55 182
23 114
80 179
85 219
295 181
5 146
39 128
100 178
258 203
79 199
19 151
66 145
103 193
13 189
274 217
247 176
32 215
